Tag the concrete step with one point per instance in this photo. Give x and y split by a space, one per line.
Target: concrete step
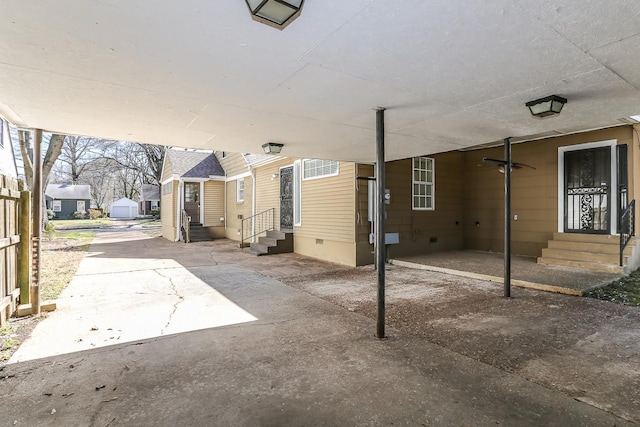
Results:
589 247
589 238
585 265
275 242
574 255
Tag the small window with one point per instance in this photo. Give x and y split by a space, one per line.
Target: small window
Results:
297 194
316 168
423 183
57 205
153 205
80 206
167 188
191 192
240 190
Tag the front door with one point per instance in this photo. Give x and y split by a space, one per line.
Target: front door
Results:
192 200
286 198
587 207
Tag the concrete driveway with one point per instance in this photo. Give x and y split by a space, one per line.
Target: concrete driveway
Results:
157 333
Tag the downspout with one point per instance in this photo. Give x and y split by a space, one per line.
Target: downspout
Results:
178 211
253 203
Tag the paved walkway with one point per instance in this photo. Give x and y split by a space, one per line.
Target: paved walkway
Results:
280 357
525 271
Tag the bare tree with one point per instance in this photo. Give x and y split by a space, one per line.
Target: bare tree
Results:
54 148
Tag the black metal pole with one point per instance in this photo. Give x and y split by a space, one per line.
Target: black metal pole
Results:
379 224
507 218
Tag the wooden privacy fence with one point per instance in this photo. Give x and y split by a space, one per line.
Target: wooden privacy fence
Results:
9 241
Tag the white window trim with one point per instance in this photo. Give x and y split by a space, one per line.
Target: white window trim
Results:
432 183
84 206
239 198
613 143
337 172
53 205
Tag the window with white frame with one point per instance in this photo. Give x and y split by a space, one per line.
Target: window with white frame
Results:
423 183
317 168
240 190
167 188
57 206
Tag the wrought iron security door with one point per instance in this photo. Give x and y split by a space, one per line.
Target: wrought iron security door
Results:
286 198
587 191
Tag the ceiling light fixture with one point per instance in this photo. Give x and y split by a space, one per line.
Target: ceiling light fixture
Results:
275 13
272 148
546 106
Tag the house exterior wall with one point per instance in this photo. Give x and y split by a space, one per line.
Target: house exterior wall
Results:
426 231
327 229
268 187
213 199
68 207
634 172
233 164
534 192
168 206
237 210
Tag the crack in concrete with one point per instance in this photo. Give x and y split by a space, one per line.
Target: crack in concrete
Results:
175 306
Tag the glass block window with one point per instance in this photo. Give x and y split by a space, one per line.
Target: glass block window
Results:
423 183
315 168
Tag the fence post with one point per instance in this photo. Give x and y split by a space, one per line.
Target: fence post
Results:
24 250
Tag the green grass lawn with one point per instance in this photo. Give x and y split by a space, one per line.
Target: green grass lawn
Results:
625 290
71 224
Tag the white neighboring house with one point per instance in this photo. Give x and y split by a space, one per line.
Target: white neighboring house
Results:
123 208
7 158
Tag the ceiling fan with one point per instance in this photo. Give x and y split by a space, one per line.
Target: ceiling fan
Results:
501 164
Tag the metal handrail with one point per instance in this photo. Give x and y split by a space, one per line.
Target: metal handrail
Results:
627 227
185 225
257 224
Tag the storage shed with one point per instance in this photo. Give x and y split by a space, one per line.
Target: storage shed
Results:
123 208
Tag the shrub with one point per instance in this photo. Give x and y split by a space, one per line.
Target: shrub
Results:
50 214
50 230
78 214
95 214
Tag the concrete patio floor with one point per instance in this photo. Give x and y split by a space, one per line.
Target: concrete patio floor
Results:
525 271
212 338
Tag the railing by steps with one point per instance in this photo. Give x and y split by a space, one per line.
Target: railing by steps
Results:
185 226
256 225
627 227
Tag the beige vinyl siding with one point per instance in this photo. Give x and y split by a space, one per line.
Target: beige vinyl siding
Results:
268 188
234 164
168 206
213 203
328 206
235 208
534 192
424 231
166 171
634 170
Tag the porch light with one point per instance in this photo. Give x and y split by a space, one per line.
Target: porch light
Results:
546 106
275 13
272 148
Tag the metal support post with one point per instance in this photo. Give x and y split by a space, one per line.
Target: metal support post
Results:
379 225
507 218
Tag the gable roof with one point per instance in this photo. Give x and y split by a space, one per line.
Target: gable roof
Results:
194 164
68 191
149 192
260 159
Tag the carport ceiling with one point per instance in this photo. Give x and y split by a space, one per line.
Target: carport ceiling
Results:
203 74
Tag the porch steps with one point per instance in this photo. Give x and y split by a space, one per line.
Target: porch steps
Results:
198 233
595 252
275 242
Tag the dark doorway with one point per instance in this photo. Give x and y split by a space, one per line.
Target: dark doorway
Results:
192 200
286 199
587 177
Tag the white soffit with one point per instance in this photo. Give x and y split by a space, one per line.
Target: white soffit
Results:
203 74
